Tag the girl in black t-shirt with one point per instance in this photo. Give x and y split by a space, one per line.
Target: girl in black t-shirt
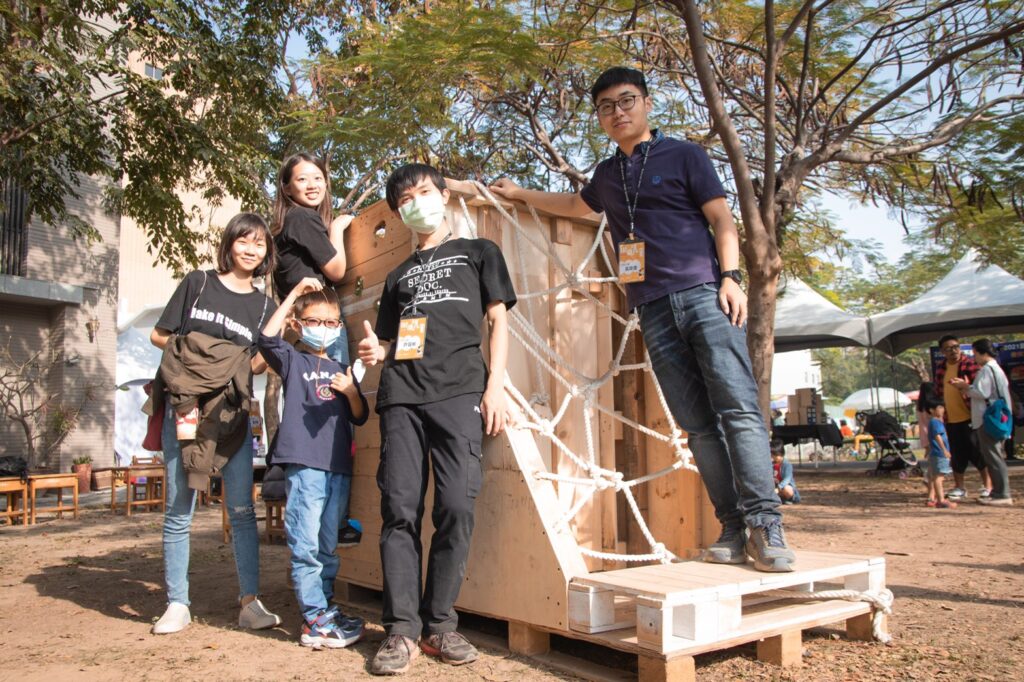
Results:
306 246
224 304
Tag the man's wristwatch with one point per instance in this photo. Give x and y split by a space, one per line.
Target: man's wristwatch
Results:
734 275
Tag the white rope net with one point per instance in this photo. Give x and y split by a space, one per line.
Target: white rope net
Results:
577 385
581 387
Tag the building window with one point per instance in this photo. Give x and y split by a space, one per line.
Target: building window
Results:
13 244
154 72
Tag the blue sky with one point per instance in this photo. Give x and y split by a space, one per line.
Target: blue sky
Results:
868 222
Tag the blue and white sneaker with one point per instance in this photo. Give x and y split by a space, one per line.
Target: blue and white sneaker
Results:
346 622
325 631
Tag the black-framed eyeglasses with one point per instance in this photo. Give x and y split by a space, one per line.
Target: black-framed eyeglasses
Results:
625 103
950 349
317 322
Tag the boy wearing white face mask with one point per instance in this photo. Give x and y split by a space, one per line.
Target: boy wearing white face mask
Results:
314 446
435 400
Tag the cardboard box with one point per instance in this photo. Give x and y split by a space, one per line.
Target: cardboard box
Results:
805 407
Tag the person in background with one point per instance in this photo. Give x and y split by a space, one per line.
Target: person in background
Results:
844 429
959 368
989 384
926 396
785 484
938 452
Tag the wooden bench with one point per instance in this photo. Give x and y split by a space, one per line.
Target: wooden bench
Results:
16 491
58 482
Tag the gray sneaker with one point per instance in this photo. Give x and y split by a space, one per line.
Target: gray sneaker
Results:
728 548
394 656
450 647
766 545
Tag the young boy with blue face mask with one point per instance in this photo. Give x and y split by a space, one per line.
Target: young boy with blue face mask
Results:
436 399
313 444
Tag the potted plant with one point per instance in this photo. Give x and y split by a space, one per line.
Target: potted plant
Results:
82 466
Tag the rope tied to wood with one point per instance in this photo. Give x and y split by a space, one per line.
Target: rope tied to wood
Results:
881 604
575 280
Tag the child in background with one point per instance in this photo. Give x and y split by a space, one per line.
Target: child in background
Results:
938 456
313 443
785 484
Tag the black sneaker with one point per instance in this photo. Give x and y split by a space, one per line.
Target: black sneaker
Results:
766 545
394 656
728 548
350 534
450 647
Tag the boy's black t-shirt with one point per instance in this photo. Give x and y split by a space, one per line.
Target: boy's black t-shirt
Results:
202 303
303 248
456 281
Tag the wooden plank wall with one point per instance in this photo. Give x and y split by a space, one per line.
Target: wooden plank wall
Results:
515 534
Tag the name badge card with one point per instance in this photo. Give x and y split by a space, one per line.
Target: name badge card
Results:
412 337
631 261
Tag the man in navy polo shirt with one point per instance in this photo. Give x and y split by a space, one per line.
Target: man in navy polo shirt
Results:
660 196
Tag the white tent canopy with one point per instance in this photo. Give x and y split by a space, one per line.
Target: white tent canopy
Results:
970 300
806 319
874 398
137 363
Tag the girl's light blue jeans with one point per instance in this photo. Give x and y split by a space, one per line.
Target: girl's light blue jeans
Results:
181 502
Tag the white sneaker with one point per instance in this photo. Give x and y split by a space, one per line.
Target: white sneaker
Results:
255 616
984 492
957 494
175 619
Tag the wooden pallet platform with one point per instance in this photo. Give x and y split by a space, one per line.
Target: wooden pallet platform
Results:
692 607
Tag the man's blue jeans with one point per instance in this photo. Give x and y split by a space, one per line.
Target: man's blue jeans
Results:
181 502
316 499
703 366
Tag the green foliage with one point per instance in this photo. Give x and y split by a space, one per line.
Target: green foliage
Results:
74 101
845 370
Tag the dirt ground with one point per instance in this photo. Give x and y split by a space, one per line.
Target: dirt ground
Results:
78 598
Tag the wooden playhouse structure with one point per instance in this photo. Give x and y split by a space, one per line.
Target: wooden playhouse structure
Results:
557 510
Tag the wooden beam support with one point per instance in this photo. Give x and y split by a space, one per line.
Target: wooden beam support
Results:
655 669
859 628
784 650
526 640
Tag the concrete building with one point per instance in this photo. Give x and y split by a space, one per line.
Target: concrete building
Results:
58 297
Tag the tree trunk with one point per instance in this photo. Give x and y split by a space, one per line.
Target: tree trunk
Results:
760 250
761 295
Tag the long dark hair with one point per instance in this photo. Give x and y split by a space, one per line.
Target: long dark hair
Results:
927 397
985 347
283 202
244 225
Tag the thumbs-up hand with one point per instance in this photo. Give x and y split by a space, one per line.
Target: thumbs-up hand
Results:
369 349
343 383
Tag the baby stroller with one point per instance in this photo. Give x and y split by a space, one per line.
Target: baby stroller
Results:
895 453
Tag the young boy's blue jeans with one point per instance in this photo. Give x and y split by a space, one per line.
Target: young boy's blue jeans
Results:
703 367
316 500
181 503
